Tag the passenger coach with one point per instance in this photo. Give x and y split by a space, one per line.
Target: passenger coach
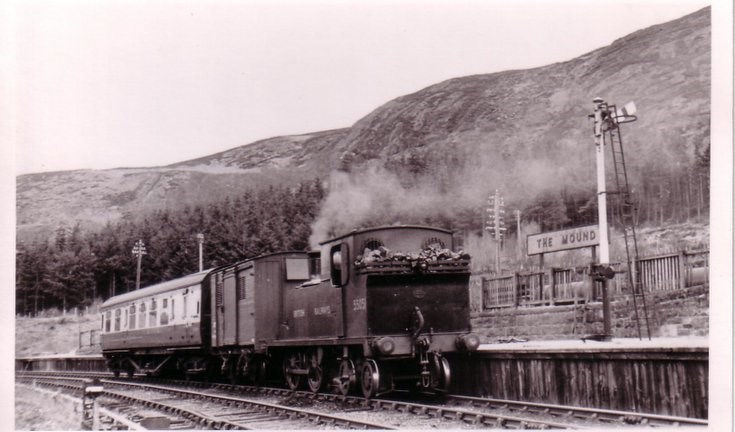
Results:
161 326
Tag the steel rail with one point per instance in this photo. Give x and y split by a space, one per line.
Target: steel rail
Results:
355 403
315 417
567 411
271 412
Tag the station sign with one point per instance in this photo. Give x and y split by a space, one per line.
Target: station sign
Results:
554 241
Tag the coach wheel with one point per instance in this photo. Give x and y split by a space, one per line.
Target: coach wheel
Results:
370 379
346 377
315 378
441 373
292 362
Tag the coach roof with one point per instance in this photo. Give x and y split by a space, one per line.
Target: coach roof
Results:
186 281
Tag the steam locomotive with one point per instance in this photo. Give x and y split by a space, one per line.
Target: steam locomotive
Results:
352 314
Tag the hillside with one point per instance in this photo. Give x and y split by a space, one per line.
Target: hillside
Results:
443 147
94 197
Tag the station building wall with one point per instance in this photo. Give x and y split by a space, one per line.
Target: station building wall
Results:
681 312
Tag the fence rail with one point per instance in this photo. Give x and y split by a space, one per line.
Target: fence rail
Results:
573 285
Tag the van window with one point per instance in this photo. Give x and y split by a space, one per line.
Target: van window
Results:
241 288
297 269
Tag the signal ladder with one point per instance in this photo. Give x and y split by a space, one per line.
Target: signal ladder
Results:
626 211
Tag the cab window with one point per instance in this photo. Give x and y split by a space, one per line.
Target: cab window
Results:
339 267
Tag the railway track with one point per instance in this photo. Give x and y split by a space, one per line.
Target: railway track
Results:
451 411
609 417
186 409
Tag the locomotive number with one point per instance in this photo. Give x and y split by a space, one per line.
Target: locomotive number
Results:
299 313
359 304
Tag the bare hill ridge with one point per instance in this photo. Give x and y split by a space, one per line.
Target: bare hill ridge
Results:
520 130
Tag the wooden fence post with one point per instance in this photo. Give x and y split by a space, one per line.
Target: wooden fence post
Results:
682 270
516 288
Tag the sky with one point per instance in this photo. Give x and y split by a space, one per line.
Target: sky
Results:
132 83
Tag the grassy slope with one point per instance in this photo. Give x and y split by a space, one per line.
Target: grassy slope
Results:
51 335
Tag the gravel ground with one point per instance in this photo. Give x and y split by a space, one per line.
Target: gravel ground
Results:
38 410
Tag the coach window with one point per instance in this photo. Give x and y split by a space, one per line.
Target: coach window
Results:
108 321
164 312
141 316
173 310
184 313
131 320
117 319
195 298
153 314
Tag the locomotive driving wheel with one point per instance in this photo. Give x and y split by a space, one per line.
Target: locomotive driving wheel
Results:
370 378
315 378
292 361
441 374
346 377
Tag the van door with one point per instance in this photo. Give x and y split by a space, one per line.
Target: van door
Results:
245 306
229 309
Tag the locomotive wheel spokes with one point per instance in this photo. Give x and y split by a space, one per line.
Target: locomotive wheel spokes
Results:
292 362
370 378
315 378
346 376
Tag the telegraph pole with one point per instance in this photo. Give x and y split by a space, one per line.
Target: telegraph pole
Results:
200 240
518 234
138 251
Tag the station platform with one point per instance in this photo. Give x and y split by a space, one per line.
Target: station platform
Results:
667 376
615 344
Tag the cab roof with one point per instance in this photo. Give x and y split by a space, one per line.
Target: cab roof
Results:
186 281
384 228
